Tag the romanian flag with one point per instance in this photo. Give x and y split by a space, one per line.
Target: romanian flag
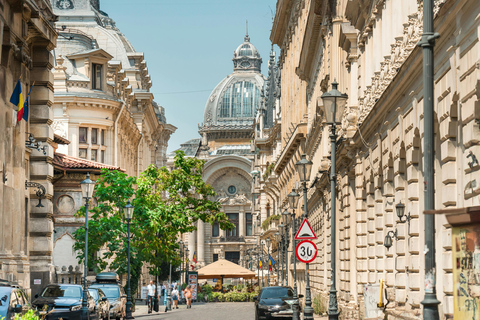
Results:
270 262
17 99
261 264
195 257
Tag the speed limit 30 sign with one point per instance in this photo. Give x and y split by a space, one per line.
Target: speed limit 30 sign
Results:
306 251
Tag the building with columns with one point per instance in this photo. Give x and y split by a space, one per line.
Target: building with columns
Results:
370 49
225 145
103 109
28 36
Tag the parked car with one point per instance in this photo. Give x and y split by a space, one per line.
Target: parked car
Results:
101 302
274 302
12 300
108 282
63 301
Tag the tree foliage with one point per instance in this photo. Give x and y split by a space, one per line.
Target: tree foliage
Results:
167 203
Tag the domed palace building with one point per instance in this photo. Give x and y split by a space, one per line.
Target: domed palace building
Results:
226 135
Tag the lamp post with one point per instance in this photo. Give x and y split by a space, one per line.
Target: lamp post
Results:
181 246
334 103
278 239
293 202
186 265
128 215
87 186
286 221
304 169
268 259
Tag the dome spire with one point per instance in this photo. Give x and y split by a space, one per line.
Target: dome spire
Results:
247 38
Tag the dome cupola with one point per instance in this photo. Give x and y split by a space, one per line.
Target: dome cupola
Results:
246 57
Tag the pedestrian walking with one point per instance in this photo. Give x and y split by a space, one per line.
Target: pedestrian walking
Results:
188 296
175 295
151 295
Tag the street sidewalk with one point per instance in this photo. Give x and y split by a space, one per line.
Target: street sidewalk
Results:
141 310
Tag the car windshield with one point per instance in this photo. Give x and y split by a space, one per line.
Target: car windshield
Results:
94 294
62 291
276 293
4 300
111 291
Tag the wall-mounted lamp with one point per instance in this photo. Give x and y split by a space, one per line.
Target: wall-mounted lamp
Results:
4 174
389 239
34 144
40 191
400 208
474 161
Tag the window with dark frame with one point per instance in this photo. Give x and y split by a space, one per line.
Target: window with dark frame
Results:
82 135
233 218
102 137
94 155
94 136
215 257
96 76
215 230
102 156
248 221
82 153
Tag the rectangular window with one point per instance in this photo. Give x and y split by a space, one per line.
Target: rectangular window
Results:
248 229
102 156
94 136
82 135
82 153
94 155
215 230
233 218
215 257
102 137
97 76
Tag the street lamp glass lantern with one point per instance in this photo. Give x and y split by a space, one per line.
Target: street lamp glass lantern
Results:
128 211
293 199
304 168
286 217
87 186
388 241
334 103
400 207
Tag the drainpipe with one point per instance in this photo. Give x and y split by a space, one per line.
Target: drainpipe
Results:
115 160
138 154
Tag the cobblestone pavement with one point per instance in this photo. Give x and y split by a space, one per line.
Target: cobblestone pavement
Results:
205 311
202 311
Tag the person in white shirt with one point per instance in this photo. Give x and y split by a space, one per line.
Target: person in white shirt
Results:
175 295
151 294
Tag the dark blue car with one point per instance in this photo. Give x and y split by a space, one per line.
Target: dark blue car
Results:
12 300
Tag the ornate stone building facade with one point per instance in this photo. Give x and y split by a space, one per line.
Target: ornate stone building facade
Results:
369 47
226 133
27 36
102 107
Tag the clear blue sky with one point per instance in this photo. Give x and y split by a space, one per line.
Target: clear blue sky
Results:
188 46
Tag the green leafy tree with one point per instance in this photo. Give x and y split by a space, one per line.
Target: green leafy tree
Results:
167 203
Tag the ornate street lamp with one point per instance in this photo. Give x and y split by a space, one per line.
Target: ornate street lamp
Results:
334 103
293 202
278 239
128 215
87 186
286 218
304 169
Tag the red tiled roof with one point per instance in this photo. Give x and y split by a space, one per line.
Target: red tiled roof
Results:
68 162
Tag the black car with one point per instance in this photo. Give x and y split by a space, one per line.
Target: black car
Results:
102 303
108 282
12 300
274 303
63 301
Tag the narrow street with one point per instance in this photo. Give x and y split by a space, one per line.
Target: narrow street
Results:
202 311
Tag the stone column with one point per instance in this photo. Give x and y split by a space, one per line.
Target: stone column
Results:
192 236
200 242
41 170
242 223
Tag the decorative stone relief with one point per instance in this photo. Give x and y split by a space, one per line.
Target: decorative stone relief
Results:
65 204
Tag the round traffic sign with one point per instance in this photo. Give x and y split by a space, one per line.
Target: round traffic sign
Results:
306 251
